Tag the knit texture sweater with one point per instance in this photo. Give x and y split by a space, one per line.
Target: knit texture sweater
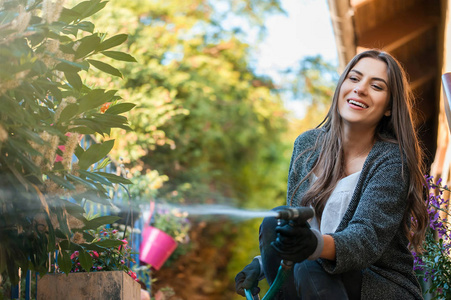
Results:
370 237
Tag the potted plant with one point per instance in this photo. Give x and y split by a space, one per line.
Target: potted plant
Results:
168 228
94 264
434 264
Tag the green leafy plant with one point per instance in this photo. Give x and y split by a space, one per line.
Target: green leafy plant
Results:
100 249
434 264
47 108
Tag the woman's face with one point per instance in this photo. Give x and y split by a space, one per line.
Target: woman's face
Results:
364 95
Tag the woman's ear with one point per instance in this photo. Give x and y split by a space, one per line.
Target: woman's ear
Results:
387 113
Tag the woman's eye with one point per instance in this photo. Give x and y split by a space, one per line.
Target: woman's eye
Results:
352 78
377 87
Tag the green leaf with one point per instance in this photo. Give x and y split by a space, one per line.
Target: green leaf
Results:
61 181
69 15
94 196
114 178
103 164
95 98
85 260
120 108
82 130
117 55
109 243
105 67
74 80
92 124
94 154
86 26
88 8
67 66
100 221
96 177
86 183
112 42
64 261
69 112
87 45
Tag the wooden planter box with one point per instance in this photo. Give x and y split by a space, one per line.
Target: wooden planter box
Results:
111 285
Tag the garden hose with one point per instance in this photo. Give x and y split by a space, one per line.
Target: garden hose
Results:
285 269
292 214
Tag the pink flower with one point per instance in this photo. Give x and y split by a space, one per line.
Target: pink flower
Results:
132 274
95 254
114 231
122 262
105 233
75 254
125 242
99 268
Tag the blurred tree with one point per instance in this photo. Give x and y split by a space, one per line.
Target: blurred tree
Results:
46 50
313 84
203 118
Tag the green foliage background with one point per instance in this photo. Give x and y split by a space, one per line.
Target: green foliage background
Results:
205 128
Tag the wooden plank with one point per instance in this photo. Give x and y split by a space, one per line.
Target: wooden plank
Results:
399 30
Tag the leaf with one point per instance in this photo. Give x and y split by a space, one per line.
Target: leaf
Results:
86 183
109 243
117 55
64 261
74 80
69 112
92 124
105 67
112 42
82 130
85 260
94 154
96 177
100 221
87 45
88 8
103 164
86 26
69 15
120 108
61 181
114 178
94 196
95 98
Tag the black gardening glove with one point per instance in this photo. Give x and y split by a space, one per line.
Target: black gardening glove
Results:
295 242
248 278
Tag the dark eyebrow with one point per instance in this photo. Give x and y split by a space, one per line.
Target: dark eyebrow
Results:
374 78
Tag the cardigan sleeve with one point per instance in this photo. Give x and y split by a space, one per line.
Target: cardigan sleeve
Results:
377 218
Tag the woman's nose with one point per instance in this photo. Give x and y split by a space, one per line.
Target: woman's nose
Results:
359 90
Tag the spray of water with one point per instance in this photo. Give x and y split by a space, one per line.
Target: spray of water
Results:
200 210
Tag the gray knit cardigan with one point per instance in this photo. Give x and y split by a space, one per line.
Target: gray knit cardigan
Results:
370 236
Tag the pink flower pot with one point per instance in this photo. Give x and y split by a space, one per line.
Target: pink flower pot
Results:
156 247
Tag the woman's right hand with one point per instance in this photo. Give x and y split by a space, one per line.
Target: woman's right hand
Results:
248 278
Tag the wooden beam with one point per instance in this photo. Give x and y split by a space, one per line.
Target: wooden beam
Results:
398 31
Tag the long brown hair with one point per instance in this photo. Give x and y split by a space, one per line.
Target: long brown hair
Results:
397 128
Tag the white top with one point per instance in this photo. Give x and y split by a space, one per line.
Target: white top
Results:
337 204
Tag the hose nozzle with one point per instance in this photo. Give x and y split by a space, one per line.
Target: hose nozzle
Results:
298 214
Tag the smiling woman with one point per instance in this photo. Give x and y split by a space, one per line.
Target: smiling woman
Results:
362 167
364 96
